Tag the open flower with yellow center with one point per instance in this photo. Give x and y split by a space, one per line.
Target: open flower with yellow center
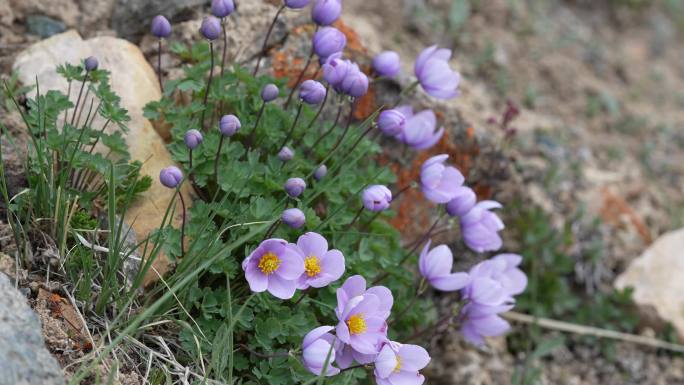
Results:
321 266
400 364
362 324
274 266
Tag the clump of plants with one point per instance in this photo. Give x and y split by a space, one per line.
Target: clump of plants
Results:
285 267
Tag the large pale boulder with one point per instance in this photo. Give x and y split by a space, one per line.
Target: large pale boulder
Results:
657 277
134 80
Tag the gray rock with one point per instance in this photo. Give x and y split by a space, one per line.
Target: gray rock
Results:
44 26
24 360
132 18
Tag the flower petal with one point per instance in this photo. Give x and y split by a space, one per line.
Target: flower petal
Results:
451 282
413 357
292 264
281 288
313 244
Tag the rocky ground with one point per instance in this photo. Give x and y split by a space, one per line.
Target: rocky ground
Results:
599 90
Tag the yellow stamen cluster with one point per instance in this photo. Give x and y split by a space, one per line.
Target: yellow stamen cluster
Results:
312 267
398 367
269 263
356 324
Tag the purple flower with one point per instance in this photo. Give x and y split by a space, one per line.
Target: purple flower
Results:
296 4
355 286
229 125
316 346
434 74
211 28
327 41
501 275
439 182
399 364
171 176
321 266
355 83
387 64
286 154
222 8
362 324
479 321
91 64
193 138
435 265
293 217
312 92
463 202
326 12
391 122
376 198
419 131
273 266
480 227
294 187
161 27
269 93
335 69
320 172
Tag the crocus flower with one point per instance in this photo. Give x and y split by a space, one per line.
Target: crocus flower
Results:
269 93
211 28
321 266
391 122
91 63
320 172
439 182
434 74
294 187
229 125
274 266
480 227
171 176
419 130
222 8
362 324
193 138
399 364
312 92
296 4
387 64
335 69
327 41
463 202
326 12
293 217
376 198
355 83
286 154
479 321
161 27
316 346
435 266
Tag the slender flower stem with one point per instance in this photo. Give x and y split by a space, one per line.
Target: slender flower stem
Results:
331 129
356 218
211 77
182 240
403 190
272 229
353 367
225 46
405 92
346 128
301 76
305 293
320 111
250 137
159 73
444 320
268 35
216 161
294 125
78 100
419 291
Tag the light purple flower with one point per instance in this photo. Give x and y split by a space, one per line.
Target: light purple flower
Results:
286 154
296 4
274 266
317 344
327 41
320 172
355 83
91 63
211 28
321 266
479 321
435 266
222 8
376 198
312 92
193 139
161 27
294 187
480 227
171 176
293 217
438 181
387 64
326 12
269 93
419 130
463 202
362 324
502 269
391 122
355 286
335 69
399 364
434 74
229 125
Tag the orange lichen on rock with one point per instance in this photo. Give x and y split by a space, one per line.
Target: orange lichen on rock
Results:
354 45
615 209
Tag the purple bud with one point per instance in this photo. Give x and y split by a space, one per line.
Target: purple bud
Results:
335 69
91 64
376 198
312 92
171 176
229 125
211 28
321 172
294 187
464 200
387 64
270 93
327 41
355 84
222 8
286 154
193 138
391 122
296 4
161 27
294 218
326 12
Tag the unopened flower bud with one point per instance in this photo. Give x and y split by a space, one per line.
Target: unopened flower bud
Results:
211 28
294 187
286 154
294 218
171 176
91 64
161 27
270 93
222 8
312 92
321 172
193 138
229 125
